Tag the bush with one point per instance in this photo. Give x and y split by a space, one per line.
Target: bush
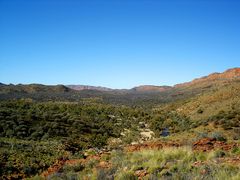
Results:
219 136
73 168
201 135
236 150
126 176
219 154
107 174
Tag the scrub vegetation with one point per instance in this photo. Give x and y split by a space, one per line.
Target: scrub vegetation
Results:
190 131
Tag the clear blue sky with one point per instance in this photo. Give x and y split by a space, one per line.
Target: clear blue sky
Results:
117 43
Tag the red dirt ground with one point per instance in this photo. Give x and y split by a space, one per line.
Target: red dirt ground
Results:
204 145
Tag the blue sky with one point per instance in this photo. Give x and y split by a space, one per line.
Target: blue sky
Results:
117 43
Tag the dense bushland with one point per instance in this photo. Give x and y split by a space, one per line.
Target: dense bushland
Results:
88 123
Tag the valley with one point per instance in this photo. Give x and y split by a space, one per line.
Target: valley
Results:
187 131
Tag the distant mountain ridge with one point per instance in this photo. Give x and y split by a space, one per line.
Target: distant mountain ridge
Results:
229 74
151 88
33 88
136 95
87 87
142 88
226 75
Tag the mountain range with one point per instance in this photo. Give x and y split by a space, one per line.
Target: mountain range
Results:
229 74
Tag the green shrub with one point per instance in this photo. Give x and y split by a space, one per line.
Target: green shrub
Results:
201 135
219 136
73 168
236 150
219 154
107 174
126 176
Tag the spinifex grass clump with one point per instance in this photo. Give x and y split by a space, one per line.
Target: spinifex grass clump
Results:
167 163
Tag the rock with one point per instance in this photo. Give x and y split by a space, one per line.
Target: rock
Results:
134 143
104 164
147 135
141 173
208 144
